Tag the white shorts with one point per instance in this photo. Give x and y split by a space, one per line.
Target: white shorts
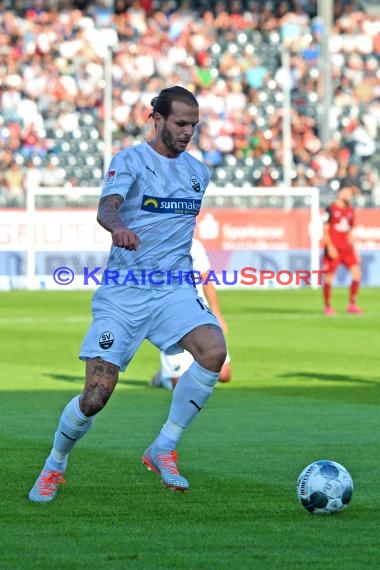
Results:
174 365
124 316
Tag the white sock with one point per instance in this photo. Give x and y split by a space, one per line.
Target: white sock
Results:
189 396
73 425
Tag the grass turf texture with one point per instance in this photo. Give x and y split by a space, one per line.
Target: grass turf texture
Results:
305 387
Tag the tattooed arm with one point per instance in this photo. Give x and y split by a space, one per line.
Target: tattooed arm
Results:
108 217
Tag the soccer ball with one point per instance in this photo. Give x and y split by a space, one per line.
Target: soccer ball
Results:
325 487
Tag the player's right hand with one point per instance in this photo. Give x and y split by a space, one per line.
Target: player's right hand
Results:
126 239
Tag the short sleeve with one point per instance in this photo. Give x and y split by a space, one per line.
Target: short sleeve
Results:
120 175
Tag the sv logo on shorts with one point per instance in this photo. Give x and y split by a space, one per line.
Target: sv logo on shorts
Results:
106 340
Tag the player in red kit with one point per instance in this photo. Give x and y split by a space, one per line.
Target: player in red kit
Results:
339 247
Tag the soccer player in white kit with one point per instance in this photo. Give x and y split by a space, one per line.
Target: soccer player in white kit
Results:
151 195
174 365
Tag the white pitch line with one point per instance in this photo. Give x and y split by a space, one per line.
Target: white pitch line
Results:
43 320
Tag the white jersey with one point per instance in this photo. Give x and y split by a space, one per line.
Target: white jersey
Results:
162 196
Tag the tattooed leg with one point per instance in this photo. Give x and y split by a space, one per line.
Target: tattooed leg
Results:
101 379
75 421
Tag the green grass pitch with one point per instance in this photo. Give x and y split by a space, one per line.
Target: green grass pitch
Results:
305 387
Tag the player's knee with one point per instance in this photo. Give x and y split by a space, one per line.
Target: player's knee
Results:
214 357
356 273
221 355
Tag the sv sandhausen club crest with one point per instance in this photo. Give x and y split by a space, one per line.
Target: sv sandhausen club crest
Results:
195 183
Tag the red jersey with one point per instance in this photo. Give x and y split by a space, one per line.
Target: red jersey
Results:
341 221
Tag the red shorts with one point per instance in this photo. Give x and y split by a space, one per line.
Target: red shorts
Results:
347 257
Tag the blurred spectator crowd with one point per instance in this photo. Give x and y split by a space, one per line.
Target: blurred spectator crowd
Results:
52 83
